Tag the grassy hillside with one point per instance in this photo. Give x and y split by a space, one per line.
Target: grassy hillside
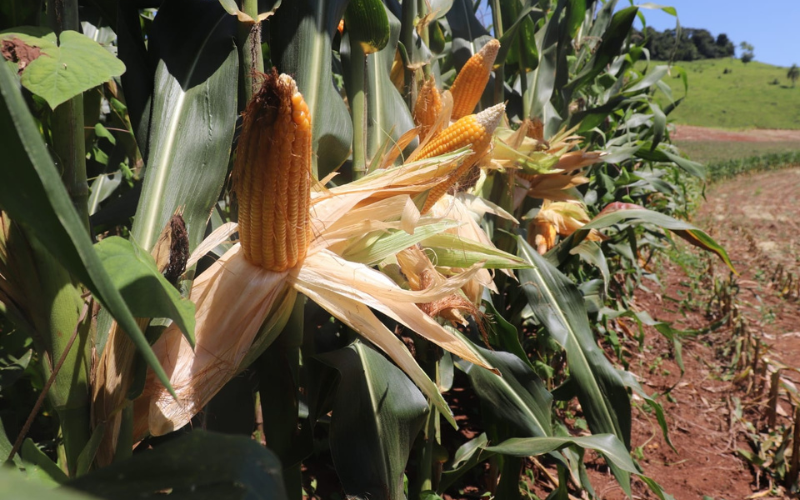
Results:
746 97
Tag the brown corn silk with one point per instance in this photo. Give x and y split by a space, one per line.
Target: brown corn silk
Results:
468 86
272 176
473 131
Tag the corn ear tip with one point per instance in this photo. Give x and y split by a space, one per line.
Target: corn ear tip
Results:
489 118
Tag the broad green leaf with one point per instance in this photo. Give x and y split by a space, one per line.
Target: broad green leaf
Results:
619 212
467 456
14 485
60 72
592 252
517 45
146 291
607 444
197 465
373 248
609 48
86 457
32 193
647 152
301 33
518 397
545 75
451 250
557 304
377 413
39 466
648 80
503 334
650 5
192 119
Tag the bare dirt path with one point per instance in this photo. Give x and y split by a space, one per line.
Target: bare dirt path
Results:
692 133
756 219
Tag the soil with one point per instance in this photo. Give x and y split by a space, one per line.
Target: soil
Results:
692 133
753 217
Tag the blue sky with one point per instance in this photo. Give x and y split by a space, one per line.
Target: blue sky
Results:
771 26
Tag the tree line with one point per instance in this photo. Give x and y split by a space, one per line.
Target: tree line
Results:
688 44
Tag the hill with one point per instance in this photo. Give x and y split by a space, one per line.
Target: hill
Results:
744 97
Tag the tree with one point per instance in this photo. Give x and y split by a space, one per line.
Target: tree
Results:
705 44
793 74
725 46
747 52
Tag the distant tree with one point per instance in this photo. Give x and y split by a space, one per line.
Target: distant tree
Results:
705 44
793 74
747 52
725 47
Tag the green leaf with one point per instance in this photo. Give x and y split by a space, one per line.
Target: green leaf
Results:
451 250
86 457
14 485
375 247
32 193
39 466
558 305
609 48
467 456
518 397
503 334
70 68
607 444
518 38
193 116
592 252
616 213
146 291
197 465
377 413
301 33
648 152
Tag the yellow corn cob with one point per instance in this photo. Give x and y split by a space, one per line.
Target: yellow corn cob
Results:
472 79
427 107
474 131
272 175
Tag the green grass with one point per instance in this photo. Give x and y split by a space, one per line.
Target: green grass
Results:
744 98
719 151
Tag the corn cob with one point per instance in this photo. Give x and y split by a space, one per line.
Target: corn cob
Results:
474 131
272 175
427 107
468 87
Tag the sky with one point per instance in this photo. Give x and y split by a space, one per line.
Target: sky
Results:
771 26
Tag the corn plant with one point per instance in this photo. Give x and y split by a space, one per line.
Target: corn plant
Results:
296 221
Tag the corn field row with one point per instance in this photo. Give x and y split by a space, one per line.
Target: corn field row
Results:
262 249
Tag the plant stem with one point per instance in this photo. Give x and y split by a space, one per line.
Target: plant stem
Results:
358 66
251 59
499 74
278 371
67 124
409 13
